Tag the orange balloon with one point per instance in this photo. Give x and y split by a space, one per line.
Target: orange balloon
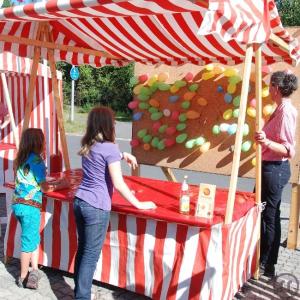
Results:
191 115
154 102
189 96
146 147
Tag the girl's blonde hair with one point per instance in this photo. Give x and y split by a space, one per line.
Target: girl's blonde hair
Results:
32 140
100 128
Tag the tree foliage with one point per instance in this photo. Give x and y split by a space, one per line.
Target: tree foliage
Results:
109 86
289 11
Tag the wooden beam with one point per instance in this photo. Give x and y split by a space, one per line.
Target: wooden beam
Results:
32 80
294 217
58 104
258 127
136 171
53 46
10 110
169 174
239 135
279 42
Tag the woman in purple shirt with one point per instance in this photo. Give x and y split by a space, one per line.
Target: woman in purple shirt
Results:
92 204
278 145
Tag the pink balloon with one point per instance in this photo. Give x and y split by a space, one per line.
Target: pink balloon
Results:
134 143
266 69
189 76
170 142
133 104
143 78
175 115
170 130
253 103
156 126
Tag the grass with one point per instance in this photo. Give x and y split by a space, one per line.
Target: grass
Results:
80 118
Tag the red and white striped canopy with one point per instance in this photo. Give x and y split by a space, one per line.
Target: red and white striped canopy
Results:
152 31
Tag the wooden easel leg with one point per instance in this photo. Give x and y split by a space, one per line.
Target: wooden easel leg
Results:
169 174
32 81
58 103
258 127
294 218
239 135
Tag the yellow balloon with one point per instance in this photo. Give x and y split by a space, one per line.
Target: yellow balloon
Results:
162 77
253 161
254 146
205 147
230 72
267 110
208 75
202 101
191 115
174 89
152 80
265 92
251 112
209 67
218 70
231 88
227 114
137 89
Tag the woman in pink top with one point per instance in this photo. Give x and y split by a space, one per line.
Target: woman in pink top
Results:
278 145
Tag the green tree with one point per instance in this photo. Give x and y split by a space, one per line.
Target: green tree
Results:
289 11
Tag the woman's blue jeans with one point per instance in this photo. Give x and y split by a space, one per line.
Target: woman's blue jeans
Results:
275 175
92 224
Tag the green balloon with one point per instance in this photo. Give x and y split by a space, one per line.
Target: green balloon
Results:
185 104
156 116
236 113
190 144
194 87
234 79
145 91
162 128
180 126
236 101
161 145
163 86
216 129
143 97
153 88
155 142
200 141
182 117
180 83
147 138
152 110
141 133
181 138
246 146
144 105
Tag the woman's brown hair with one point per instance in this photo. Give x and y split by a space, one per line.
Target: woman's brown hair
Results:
32 140
100 128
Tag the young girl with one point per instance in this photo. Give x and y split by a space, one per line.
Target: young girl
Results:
27 200
92 204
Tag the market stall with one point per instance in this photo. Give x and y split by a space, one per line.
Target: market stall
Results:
157 32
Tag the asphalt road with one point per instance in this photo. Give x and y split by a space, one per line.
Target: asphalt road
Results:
123 133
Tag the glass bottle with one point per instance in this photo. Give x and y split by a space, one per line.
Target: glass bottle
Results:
184 197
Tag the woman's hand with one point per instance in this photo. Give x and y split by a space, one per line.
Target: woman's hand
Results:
130 159
146 205
260 137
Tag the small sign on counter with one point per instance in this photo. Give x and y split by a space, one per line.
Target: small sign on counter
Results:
206 201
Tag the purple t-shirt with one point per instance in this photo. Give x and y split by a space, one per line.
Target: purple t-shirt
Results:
96 186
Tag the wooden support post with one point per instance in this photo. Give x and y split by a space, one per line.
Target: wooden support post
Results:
10 111
294 218
258 127
32 81
169 174
58 104
239 135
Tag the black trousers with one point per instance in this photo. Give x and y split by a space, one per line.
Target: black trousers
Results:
275 175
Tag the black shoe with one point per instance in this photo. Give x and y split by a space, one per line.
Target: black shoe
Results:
269 271
20 282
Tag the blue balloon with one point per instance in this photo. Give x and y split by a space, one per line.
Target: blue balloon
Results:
232 129
137 116
220 89
228 98
173 98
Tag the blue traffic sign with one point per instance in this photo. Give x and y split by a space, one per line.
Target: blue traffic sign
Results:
74 73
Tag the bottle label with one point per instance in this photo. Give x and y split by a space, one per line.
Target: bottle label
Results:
185 204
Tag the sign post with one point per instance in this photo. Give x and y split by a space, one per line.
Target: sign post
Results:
74 74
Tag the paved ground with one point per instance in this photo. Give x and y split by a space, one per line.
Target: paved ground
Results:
59 285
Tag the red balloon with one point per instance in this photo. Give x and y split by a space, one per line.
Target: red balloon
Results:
143 78
189 76
170 142
134 143
170 130
175 115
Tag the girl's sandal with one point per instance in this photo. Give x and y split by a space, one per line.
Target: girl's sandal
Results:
33 280
20 282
